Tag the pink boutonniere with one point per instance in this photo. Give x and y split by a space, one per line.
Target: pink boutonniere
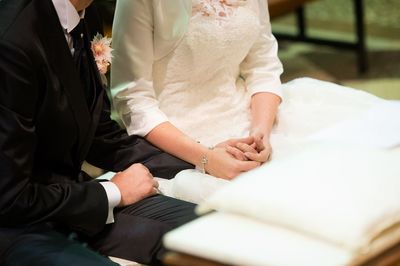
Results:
101 48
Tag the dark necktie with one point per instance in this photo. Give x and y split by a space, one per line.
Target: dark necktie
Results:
83 62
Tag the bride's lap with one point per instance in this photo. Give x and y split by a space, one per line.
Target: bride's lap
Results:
191 185
309 106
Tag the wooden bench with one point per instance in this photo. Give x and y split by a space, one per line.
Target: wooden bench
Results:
390 257
279 8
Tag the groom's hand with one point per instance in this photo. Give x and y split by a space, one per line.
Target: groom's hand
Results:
135 183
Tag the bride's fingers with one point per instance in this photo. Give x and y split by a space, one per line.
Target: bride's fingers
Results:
248 140
248 165
246 148
261 157
232 142
259 144
235 152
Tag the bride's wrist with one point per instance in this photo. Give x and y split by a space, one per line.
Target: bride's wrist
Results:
204 160
258 131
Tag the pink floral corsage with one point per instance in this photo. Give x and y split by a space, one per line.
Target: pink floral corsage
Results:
101 48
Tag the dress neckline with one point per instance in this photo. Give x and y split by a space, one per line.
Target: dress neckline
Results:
218 9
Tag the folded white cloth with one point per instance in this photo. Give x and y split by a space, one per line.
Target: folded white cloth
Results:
346 195
326 204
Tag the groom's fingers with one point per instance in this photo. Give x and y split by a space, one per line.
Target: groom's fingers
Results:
155 183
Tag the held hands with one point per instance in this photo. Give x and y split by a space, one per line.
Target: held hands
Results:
256 148
224 165
233 146
135 183
261 152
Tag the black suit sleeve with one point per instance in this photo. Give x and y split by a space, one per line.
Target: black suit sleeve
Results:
114 150
25 197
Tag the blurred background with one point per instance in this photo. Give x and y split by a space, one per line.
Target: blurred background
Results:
335 19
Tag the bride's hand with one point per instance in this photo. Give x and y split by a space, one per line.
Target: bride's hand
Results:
222 164
262 151
232 146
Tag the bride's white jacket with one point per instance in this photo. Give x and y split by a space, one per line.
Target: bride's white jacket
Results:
145 31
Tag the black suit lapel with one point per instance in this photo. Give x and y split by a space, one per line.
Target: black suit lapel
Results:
97 103
97 82
60 59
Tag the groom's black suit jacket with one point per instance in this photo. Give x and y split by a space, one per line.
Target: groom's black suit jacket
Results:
47 129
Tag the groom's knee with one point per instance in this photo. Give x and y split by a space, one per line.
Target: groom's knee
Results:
50 248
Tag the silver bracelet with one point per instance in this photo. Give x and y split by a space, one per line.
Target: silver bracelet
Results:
204 160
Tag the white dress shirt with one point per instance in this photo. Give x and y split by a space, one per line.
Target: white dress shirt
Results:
69 19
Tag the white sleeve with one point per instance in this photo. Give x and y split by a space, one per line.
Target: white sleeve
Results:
131 73
261 69
114 198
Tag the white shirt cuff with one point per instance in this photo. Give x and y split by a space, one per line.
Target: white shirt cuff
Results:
114 198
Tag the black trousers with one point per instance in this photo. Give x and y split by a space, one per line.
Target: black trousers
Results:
135 235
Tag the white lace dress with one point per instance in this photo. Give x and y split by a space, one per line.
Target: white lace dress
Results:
198 83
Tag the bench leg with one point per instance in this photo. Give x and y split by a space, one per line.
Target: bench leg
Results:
360 32
301 22
359 46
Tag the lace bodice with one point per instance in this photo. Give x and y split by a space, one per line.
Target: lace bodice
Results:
198 84
218 9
